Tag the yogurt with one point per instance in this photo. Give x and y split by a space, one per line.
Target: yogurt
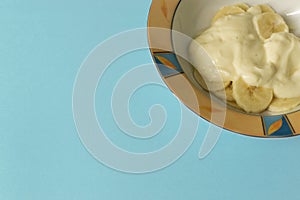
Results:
237 49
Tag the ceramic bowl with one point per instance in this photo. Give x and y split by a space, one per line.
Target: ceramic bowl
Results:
191 17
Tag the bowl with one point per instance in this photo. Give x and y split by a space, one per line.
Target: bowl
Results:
178 22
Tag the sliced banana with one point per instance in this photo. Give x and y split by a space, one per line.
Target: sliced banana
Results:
227 95
250 98
283 105
268 23
227 10
265 8
208 84
254 10
258 9
243 6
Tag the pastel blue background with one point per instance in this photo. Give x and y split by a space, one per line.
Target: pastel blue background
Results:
42 44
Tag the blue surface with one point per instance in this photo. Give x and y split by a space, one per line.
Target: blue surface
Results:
42 45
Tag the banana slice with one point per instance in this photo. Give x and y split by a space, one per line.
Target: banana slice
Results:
252 99
259 9
269 23
208 84
227 10
227 95
265 8
243 6
283 105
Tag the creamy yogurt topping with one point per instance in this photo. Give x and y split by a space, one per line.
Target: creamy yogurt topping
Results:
237 50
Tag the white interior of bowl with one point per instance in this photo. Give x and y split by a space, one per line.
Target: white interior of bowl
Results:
194 16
